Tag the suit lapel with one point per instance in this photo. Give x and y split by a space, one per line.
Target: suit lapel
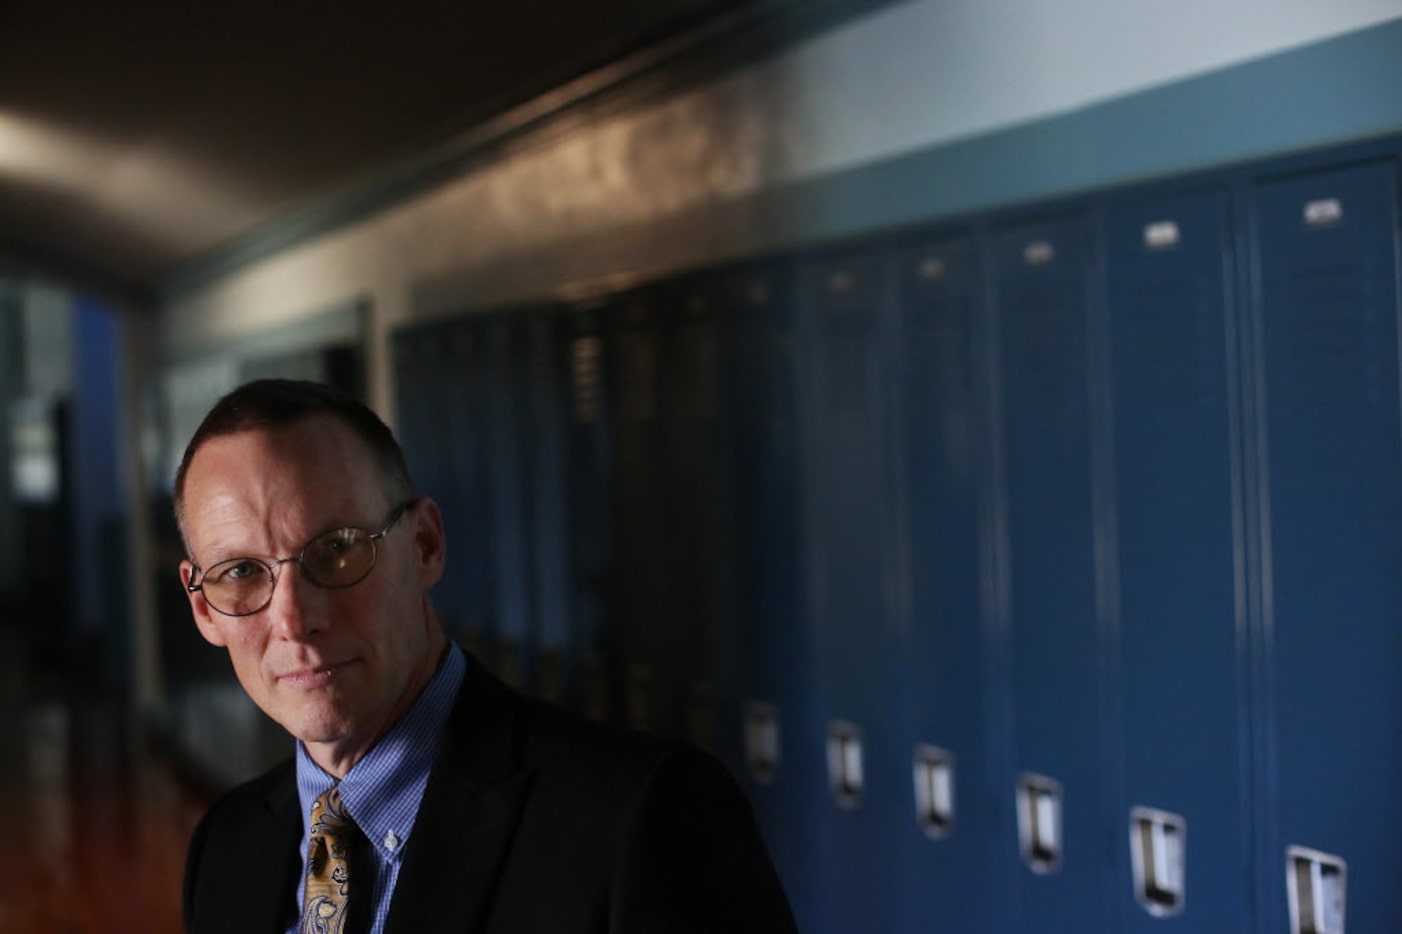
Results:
468 814
262 866
284 812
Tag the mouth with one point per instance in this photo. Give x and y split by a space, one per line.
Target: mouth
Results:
312 677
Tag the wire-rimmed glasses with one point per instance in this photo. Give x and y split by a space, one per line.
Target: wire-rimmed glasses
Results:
335 559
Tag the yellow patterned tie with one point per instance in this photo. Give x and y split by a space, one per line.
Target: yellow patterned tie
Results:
327 899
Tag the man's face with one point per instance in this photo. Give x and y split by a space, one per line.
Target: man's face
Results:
334 667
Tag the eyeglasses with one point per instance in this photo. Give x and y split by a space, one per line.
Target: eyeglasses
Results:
335 559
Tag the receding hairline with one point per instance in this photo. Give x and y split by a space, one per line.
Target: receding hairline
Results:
392 474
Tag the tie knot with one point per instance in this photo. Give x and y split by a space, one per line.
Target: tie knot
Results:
329 817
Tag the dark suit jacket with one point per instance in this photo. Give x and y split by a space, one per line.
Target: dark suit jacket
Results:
532 821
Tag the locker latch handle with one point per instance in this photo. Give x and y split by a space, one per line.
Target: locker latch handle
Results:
1158 850
1039 804
934 790
845 763
762 741
1316 885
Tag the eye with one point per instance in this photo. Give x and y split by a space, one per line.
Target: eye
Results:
235 571
328 552
340 541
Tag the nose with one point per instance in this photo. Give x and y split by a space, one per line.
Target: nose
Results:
298 609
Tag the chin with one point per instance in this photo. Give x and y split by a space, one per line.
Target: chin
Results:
328 727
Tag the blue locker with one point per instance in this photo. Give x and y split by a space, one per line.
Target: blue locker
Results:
1055 618
1183 838
424 376
770 729
549 551
507 420
845 338
469 598
689 400
956 810
646 631
593 600
1331 543
413 395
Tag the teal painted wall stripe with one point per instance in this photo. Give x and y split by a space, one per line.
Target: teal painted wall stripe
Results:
1346 88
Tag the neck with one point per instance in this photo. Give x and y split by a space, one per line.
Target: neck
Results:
339 756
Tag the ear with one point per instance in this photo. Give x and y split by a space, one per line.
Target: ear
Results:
430 544
204 617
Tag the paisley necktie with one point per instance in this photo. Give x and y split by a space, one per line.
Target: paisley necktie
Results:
327 900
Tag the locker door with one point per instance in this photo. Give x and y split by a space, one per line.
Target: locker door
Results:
770 725
425 379
845 339
956 812
594 600
1043 303
688 388
549 537
469 589
507 415
414 394
646 628
1182 671
1332 522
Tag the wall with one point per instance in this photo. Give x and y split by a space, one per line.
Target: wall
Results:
923 109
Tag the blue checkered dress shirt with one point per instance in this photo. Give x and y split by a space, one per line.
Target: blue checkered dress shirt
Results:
382 791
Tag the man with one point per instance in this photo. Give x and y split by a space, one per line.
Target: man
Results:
424 795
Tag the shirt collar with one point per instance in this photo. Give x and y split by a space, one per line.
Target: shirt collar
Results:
382 791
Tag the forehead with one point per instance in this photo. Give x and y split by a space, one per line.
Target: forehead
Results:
312 470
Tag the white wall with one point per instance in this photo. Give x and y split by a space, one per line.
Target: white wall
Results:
908 78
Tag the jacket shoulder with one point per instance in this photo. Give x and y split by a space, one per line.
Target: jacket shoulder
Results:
241 853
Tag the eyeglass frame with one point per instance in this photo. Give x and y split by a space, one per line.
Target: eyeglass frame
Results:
272 567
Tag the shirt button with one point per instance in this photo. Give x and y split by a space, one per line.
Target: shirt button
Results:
391 841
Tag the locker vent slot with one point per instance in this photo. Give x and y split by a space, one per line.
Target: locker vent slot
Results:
1039 803
1338 337
1157 850
1316 886
934 791
849 366
762 741
845 763
639 352
1324 212
1162 235
695 372
584 365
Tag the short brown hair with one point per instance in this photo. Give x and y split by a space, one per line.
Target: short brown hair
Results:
272 403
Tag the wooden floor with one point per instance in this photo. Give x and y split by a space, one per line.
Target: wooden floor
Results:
93 824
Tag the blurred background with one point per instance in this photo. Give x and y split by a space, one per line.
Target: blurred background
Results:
978 423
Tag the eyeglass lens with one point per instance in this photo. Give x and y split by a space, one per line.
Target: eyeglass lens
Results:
334 559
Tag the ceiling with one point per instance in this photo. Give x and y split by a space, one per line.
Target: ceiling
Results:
137 137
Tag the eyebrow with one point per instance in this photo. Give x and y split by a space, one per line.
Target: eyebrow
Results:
221 556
